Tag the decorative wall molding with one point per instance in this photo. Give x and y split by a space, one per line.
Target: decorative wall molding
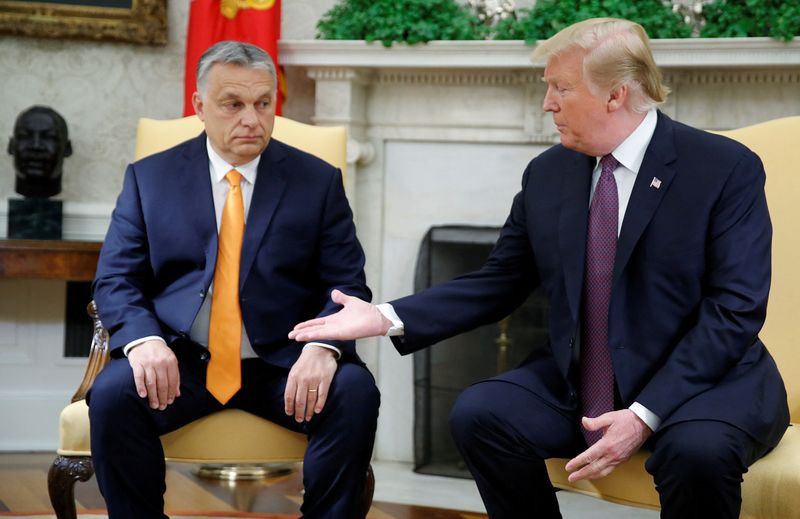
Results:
689 52
737 76
726 52
458 77
360 152
341 74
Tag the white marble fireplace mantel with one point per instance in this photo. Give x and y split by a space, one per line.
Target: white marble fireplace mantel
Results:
440 134
686 52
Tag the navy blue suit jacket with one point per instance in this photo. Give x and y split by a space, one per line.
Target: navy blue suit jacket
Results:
690 288
158 257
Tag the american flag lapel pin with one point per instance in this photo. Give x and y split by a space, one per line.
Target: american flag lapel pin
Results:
656 183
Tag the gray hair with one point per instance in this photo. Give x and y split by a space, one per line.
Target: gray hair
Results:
233 53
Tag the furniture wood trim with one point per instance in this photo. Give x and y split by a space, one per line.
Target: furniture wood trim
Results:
98 354
48 259
61 479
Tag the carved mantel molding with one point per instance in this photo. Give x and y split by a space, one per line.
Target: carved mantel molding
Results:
425 91
669 53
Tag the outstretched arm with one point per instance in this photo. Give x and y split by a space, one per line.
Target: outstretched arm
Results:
358 319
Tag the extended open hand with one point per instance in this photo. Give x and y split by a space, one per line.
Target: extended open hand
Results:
358 319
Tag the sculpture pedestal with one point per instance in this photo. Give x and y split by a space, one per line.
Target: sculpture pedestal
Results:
35 219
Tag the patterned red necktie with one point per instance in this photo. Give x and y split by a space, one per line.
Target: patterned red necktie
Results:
597 372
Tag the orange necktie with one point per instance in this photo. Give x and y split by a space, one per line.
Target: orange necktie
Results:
224 376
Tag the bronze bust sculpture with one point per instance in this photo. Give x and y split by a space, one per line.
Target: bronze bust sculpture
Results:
39 145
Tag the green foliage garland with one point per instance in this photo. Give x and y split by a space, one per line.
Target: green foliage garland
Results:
420 21
409 21
777 18
550 16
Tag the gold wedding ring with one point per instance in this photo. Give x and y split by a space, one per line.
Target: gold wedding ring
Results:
312 390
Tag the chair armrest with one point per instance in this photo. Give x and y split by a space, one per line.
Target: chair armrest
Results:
98 354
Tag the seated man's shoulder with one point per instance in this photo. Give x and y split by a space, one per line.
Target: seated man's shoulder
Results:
709 144
185 151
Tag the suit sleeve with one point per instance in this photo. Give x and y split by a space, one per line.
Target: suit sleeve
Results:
341 258
124 273
481 297
735 290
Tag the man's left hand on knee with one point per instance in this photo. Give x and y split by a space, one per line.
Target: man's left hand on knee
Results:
623 434
308 383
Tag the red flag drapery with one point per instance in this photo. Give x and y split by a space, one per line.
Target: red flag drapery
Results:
211 21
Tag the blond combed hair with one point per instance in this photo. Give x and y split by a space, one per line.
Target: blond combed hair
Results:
617 53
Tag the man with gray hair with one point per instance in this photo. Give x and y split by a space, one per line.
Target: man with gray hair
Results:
262 233
652 243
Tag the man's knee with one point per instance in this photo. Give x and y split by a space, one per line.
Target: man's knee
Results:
471 413
355 394
698 454
112 395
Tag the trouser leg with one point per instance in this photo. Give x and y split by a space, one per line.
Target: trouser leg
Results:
126 450
505 432
340 439
698 466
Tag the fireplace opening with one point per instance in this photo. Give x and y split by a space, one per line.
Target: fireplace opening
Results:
442 371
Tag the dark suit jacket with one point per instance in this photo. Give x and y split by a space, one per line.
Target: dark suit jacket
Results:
691 281
158 256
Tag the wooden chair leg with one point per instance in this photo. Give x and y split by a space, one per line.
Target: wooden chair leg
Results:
366 494
61 479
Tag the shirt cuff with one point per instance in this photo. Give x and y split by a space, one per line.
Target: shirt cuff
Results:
131 345
388 312
648 417
334 349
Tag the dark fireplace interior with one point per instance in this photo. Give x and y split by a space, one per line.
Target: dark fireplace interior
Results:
444 370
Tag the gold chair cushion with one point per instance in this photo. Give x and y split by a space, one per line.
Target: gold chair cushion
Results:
229 436
769 491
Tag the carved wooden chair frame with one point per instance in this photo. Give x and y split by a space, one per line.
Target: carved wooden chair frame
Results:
67 470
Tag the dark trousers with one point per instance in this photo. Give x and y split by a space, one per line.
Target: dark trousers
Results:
129 460
505 432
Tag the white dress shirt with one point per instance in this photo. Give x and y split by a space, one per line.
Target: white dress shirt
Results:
629 154
218 168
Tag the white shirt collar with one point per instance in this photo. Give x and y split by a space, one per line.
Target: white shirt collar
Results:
630 153
220 167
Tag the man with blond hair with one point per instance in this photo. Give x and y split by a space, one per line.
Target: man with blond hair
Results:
652 242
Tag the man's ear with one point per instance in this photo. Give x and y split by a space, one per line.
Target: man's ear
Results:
617 98
68 148
12 143
197 103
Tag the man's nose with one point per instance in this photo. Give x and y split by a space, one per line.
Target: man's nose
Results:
548 105
249 117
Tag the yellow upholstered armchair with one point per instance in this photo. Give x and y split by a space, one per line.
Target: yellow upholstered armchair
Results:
248 439
771 488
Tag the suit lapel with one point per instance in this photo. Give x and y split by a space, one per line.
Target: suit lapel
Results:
575 185
645 197
267 192
194 184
